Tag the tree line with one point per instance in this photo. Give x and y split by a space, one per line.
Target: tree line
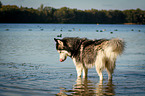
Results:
15 14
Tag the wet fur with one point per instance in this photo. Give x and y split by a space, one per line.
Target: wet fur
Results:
87 53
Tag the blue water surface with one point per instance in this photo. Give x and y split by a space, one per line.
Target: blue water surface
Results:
29 62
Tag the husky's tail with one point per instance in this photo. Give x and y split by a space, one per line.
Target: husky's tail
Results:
116 46
113 48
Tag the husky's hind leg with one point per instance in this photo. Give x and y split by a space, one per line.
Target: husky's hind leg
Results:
110 66
100 64
99 71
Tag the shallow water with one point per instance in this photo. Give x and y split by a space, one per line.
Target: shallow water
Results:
29 62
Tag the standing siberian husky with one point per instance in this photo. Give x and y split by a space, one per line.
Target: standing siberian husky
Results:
86 53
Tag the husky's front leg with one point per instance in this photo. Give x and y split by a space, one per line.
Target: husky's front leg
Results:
79 69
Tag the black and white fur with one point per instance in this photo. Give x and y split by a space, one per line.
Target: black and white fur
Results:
87 53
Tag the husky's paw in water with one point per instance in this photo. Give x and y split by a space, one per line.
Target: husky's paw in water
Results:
87 53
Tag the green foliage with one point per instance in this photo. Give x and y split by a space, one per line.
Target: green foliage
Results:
135 16
0 4
14 14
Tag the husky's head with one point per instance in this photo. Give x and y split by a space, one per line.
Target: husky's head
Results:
62 49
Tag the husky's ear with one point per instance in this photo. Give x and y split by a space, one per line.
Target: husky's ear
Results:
55 39
58 41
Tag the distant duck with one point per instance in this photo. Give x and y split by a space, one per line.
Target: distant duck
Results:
30 29
69 30
115 30
111 32
104 29
97 30
59 35
73 29
101 30
7 29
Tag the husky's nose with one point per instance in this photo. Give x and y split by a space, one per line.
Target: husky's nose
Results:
61 60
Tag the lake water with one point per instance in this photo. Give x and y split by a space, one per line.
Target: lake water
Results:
29 62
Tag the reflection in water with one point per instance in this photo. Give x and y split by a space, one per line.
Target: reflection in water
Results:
85 87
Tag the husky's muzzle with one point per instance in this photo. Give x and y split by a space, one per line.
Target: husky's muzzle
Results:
63 55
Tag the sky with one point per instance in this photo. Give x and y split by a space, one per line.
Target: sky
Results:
80 4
